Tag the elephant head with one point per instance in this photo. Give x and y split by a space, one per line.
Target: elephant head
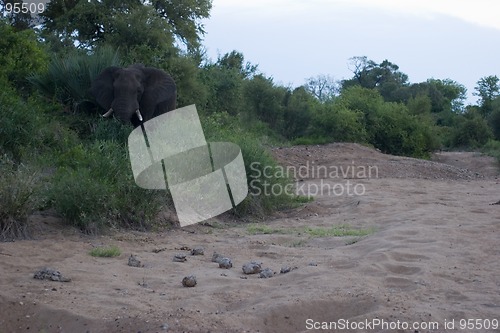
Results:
134 94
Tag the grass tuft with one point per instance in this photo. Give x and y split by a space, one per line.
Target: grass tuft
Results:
336 231
105 252
342 230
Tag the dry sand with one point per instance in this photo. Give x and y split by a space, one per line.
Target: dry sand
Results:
433 256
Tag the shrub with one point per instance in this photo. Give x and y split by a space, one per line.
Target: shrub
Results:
18 189
473 131
264 101
223 127
224 89
492 148
338 123
299 108
494 121
29 127
393 130
94 188
20 55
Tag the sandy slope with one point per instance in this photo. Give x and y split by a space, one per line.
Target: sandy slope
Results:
433 256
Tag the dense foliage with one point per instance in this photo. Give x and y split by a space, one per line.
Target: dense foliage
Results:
64 157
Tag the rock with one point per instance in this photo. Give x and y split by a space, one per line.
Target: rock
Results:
266 273
134 262
285 269
313 263
216 257
50 274
189 281
179 257
197 251
252 267
225 263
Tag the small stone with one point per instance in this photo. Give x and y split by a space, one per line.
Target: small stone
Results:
164 327
266 273
180 257
197 251
189 281
216 257
313 263
225 263
285 269
134 262
252 267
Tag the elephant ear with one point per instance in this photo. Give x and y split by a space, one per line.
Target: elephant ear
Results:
158 87
102 87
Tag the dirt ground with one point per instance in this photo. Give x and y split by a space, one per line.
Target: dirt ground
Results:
429 263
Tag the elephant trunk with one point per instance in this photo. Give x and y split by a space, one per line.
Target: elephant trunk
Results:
126 108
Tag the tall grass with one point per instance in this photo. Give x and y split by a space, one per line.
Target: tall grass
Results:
94 189
68 79
18 188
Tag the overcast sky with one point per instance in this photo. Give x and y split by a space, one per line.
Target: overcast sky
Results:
291 40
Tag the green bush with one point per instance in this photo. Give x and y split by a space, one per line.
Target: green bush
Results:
361 115
472 131
223 127
94 188
18 198
264 101
20 55
393 130
224 87
492 148
28 127
299 108
494 121
338 123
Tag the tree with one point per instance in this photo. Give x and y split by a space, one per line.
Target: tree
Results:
299 107
153 23
384 77
265 100
323 87
20 55
236 61
453 94
488 88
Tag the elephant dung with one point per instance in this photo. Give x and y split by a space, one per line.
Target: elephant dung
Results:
134 262
225 263
50 274
197 251
179 258
266 273
252 267
189 281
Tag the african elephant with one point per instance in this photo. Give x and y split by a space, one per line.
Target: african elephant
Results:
134 94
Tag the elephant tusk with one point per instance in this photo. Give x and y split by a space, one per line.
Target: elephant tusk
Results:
109 113
139 115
